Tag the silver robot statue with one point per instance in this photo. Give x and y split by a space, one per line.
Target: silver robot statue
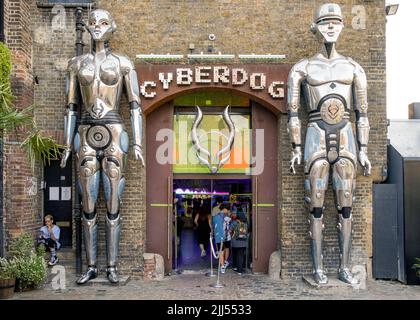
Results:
331 85
101 142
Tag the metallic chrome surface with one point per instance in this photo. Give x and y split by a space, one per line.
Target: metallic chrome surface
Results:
316 227
102 142
111 274
317 183
206 159
315 145
345 238
91 273
344 181
98 136
363 129
113 230
332 111
90 234
137 125
331 84
347 144
69 126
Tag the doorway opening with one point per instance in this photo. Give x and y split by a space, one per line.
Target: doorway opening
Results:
195 203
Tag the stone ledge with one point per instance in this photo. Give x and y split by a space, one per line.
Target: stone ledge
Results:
103 281
333 283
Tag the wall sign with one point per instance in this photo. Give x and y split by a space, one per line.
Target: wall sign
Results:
265 83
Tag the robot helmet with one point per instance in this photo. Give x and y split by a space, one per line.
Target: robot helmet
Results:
328 11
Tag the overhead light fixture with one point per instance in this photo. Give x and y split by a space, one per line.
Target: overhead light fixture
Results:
153 56
391 9
262 56
211 56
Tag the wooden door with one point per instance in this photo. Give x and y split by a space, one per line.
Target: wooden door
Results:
159 186
265 208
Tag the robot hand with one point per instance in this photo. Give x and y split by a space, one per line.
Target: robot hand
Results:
296 156
138 153
66 155
364 161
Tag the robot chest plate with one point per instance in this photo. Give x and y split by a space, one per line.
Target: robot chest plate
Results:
107 73
320 72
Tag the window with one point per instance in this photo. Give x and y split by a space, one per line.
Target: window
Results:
212 132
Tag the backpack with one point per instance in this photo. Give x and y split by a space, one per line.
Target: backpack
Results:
241 230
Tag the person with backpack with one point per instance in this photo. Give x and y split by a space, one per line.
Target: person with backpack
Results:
239 242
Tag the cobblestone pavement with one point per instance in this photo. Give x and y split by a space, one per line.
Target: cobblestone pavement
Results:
198 286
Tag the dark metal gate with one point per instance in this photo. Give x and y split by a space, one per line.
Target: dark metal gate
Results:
385 226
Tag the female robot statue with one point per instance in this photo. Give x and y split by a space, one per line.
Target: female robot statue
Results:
331 84
101 142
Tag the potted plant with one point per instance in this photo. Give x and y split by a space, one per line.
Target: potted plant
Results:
416 267
31 267
8 273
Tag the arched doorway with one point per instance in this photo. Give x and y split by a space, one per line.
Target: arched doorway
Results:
161 174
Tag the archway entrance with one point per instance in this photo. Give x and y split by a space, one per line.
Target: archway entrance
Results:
254 189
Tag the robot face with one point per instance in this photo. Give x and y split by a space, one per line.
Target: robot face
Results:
101 25
328 30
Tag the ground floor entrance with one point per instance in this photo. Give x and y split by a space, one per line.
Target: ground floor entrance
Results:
177 176
195 203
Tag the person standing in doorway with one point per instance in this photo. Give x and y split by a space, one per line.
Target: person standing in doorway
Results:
222 236
203 223
239 231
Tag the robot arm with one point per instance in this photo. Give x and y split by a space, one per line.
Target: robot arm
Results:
296 76
362 121
70 117
132 88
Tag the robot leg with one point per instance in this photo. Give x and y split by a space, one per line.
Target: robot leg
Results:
315 186
89 178
344 174
114 184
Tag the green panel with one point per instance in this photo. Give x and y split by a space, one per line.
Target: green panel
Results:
210 99
210 134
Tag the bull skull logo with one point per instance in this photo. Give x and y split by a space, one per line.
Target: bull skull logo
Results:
202 153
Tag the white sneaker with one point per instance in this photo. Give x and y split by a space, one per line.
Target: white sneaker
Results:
203 253
53 261
223 269
226 264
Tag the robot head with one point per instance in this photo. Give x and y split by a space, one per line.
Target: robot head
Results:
328 23
101 26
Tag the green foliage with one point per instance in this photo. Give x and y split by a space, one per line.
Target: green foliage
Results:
40 148
31 271
5 64
416 266
23 246
8 268
29 264
36 146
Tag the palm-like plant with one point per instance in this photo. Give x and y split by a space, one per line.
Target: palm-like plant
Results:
36 146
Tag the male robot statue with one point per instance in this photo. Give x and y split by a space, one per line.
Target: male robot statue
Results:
101 142
331 85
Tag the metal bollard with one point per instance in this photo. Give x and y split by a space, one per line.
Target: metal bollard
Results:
218 284
211 274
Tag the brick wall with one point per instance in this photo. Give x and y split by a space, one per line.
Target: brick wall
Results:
22 200
240 27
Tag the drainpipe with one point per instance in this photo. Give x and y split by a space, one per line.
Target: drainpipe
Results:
77 206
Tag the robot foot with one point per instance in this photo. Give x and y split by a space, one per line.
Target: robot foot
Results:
111 273
320 277
346 276
91 273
